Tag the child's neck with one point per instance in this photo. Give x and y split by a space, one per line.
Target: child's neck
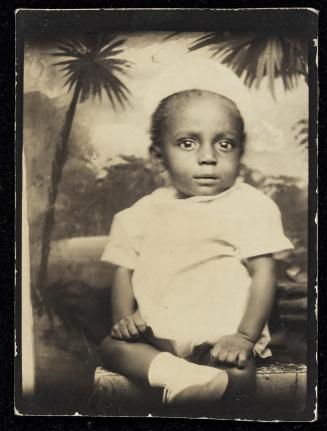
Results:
181 195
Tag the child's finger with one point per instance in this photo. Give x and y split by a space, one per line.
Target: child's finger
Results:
132 329
232 357
242 358
115 332
222 356
124 331
139 323
214 352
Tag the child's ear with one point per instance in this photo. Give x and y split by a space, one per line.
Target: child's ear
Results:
157 157
243 142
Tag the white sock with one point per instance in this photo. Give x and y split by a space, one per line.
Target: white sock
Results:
177 374
163 368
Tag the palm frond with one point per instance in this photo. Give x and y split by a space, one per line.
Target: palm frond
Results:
272 61
71 81
117 88
170 36
223 41
210 40
303 142
302 122
67 54
254 56
116 52
109 94
108 49
69 50
301 132
101 41
121 69
125 64
61 63
75 43
92 61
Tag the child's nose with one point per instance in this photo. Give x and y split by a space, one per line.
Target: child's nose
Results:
206 155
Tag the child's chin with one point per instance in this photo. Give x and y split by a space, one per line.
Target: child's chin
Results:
210 192
207 191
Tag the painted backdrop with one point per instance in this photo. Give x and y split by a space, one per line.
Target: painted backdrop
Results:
107 167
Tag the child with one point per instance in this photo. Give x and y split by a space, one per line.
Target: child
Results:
195 265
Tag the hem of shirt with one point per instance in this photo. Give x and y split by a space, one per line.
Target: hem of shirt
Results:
118 262
265 353
265 251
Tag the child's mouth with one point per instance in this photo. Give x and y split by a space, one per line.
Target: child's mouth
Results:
206 179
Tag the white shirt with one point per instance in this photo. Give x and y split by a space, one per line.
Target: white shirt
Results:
189 279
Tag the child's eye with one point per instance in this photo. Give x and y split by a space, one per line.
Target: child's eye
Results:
187 144
225 145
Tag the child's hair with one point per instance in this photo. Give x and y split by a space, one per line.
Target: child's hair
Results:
162 112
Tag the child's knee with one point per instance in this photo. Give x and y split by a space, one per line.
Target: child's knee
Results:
243 378
241 382
110 350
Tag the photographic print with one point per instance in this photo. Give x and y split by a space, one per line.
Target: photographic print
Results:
167 175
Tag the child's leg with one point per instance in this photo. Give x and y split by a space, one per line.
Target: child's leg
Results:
130 359
183 381
241 383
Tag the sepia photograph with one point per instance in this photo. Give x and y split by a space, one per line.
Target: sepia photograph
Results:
167 241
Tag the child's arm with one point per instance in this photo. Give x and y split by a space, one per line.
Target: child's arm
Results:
235 349
122 298
261 299
128 323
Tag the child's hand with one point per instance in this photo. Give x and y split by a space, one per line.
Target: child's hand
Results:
233 350
129 328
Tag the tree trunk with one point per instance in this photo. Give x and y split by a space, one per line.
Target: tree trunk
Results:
59 160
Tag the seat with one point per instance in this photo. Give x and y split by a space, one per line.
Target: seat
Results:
280 390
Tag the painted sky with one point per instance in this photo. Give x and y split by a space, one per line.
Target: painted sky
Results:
163 67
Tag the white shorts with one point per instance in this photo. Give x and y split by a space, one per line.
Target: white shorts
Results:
184 347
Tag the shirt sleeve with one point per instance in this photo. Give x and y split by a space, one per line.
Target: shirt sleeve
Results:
263 232
123 244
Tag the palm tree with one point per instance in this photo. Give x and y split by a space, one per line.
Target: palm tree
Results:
253 56
301 133
90 69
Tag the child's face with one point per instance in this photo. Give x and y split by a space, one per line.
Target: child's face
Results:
201 146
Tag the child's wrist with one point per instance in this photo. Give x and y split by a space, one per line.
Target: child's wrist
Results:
246 336
117 317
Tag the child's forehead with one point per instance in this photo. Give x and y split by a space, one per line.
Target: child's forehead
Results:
214 100
195 107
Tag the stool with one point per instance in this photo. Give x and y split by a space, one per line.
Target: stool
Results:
280 389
